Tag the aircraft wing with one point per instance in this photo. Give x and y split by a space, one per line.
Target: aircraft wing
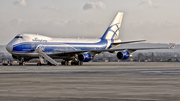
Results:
127 42
111 50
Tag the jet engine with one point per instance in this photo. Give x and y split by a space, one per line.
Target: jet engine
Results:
123 55
84 57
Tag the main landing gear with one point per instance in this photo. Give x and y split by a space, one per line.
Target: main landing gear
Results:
76 63
21 63
66 62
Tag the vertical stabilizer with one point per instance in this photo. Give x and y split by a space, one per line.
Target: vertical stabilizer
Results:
112 31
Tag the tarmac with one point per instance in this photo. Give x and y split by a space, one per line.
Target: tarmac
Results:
94 81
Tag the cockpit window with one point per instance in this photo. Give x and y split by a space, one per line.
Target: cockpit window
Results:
18 37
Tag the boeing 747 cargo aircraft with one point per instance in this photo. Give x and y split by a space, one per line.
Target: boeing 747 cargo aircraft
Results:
74 51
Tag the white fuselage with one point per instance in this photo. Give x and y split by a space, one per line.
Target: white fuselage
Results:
26 44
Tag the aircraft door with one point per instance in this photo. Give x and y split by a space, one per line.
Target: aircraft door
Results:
32 46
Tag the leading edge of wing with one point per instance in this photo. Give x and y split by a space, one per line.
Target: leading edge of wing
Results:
111 50
127 42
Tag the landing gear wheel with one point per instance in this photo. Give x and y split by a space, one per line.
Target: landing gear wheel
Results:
66 63
72 63
76 63
81 63
63 63
39 64
49 63
21 63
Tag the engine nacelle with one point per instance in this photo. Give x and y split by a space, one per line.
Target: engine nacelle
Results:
123 55
84 57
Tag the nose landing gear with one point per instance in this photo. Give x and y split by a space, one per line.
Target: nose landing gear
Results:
22 62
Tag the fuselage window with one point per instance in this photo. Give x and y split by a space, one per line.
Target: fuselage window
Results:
18 37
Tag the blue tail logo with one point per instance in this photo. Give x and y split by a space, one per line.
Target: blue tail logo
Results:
113 30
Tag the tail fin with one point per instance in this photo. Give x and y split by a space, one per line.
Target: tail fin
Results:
112 31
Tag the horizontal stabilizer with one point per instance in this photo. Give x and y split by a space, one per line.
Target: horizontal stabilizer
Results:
173 46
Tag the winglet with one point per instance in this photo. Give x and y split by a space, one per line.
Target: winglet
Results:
173 46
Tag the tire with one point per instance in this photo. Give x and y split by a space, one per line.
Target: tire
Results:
66 63
38 64
20 64
62 63
81 63
75 63
49 63
72 63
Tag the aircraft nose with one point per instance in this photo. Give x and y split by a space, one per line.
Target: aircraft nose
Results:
9 47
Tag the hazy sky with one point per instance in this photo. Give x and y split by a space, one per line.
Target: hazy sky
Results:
157 21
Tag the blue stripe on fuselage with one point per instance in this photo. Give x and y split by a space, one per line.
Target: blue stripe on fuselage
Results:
51 47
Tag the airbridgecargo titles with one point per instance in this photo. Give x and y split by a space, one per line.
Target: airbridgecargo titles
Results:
40 40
